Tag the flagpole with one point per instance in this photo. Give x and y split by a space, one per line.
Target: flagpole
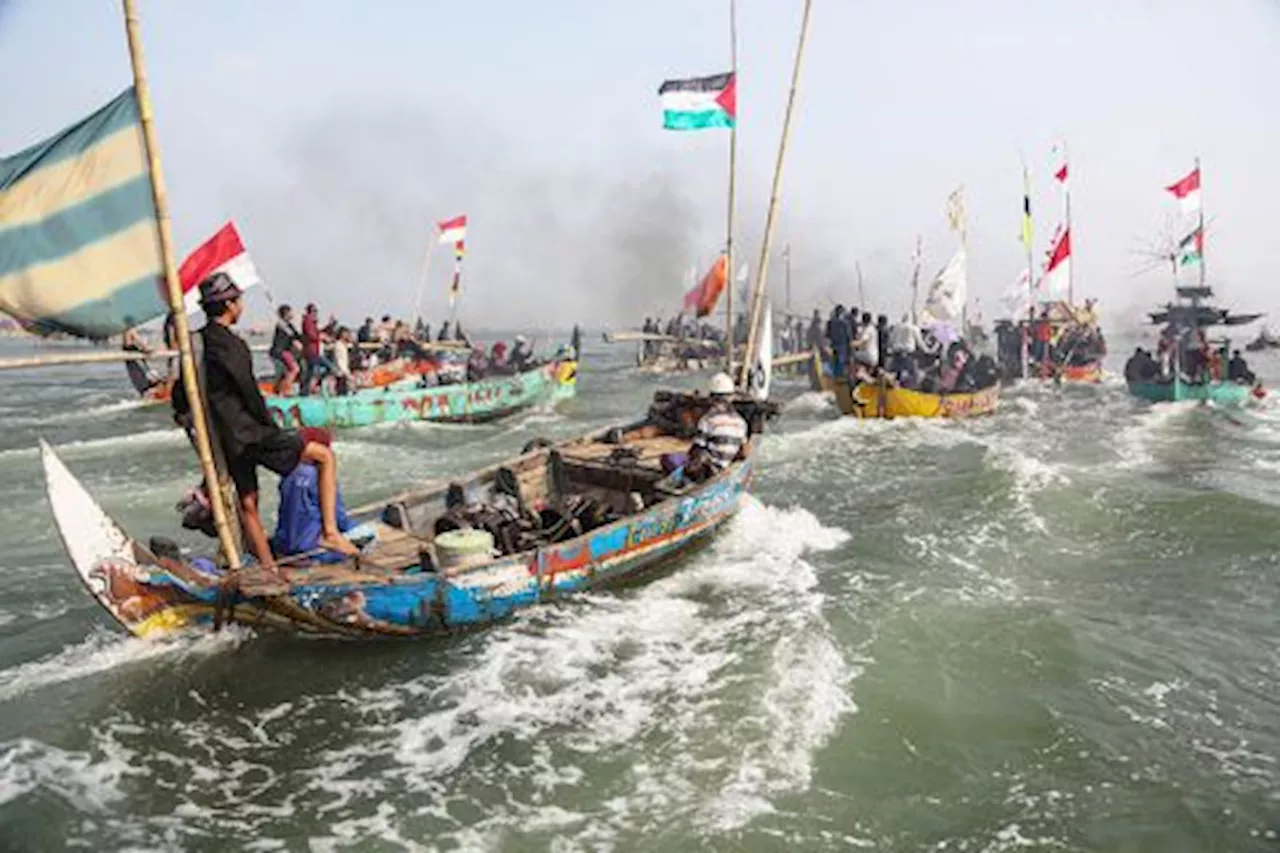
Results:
190 381
733 168
1200 189
915 277
422 279
1066 188
786 254
762 272
1028 242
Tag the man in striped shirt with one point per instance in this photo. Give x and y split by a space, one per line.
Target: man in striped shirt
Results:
721 436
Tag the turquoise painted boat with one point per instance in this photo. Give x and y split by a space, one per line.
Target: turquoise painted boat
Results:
463 402
1218 393
553 521
1184 324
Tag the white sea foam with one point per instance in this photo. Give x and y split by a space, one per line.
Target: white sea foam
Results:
106 650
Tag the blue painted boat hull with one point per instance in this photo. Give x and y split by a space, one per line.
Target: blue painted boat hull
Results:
391 595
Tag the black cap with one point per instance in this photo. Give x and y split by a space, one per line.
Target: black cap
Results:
218 288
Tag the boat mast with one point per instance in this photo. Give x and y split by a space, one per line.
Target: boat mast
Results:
1066 198
1200 225
786 256
1028 242
190 381
915 277
733 163
762 271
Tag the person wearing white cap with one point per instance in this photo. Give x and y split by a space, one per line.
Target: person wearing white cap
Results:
721 433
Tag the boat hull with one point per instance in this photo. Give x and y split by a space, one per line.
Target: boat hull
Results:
1084 374
149 597
874 401
464 402
1219 393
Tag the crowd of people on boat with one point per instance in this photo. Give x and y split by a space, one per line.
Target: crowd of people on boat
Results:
1188 356
691 339
1058 337
309 356
860 348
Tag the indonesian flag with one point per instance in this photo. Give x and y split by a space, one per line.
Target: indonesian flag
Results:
453 230
698 103
1060 173
223 252
702 298
1058 268
1187 191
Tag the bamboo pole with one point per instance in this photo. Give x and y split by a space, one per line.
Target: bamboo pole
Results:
422 279
762 271
1031 274
1066 197
730 277
204 448
1200 226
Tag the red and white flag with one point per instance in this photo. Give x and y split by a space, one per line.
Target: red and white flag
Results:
1060 167
453 230
223 252
1187 191
1057 269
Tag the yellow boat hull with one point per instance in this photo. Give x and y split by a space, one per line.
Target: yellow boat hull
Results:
874 401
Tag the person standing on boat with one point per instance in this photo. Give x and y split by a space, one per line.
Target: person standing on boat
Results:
343 380
838 335
866 344
313 366
244 428
286 346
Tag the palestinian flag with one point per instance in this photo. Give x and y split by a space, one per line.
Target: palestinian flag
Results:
1191 248
699 103
1187 191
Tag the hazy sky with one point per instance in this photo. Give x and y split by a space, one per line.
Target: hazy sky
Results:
335 133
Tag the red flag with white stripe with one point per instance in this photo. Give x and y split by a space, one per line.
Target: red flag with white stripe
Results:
223 252
453 230
1054 283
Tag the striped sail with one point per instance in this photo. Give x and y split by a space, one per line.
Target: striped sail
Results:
79 242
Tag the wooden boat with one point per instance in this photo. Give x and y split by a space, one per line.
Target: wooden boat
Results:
1218 393
379 376
874 401
582 513
463 402
1264 341
1192 314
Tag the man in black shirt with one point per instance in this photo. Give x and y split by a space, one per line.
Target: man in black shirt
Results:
243 424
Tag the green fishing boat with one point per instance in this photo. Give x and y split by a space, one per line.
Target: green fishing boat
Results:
1185 375
1188 365
462 402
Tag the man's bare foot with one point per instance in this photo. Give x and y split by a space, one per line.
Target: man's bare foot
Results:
338 543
